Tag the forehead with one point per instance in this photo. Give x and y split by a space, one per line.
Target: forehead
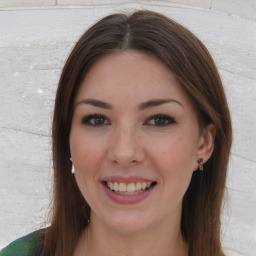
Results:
130 75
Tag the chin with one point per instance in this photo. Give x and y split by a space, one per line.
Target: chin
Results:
128 224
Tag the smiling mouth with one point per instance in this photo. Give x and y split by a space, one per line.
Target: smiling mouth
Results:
130 188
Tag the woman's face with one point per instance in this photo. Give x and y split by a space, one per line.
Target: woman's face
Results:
134 142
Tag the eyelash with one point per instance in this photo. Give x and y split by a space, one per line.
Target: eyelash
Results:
167 120
87 120
163 119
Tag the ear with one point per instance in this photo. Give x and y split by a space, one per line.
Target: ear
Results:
205 144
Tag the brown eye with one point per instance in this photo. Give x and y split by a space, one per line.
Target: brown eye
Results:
160 120
95 120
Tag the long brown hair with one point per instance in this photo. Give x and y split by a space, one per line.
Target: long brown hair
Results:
188 59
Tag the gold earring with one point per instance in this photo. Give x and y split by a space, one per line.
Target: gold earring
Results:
200 162
72 168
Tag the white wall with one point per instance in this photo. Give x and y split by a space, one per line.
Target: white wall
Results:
35 39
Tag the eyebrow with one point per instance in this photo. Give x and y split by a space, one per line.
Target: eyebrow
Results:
157 102
142 106
96 103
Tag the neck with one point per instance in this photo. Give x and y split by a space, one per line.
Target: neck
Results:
160 240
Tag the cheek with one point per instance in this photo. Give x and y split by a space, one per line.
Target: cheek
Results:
87 155
176 152
174 159
88 161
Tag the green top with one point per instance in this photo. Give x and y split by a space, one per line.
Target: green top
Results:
29 245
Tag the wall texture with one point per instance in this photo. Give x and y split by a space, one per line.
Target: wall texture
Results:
35 39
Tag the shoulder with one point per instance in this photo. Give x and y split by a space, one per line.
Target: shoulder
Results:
29 245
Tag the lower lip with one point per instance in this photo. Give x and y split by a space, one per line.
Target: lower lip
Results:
127 199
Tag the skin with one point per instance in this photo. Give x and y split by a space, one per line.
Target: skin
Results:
131 141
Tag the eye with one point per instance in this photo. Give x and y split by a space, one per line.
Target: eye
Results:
160 120
95 120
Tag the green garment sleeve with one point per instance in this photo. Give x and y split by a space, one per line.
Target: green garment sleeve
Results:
29 245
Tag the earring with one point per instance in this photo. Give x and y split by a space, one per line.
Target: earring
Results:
72 168
200 162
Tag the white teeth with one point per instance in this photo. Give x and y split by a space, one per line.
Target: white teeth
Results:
122 187
116 187
138 186
143 185
110 185
129 188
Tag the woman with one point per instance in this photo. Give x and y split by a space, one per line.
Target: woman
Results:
141 141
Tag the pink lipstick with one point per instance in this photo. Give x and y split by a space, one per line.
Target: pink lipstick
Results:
130 190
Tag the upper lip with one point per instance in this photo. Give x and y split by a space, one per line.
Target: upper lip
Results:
126 180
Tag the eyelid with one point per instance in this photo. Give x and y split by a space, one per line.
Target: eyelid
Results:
167 120
170 119
86 120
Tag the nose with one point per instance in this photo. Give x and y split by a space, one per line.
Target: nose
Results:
125 148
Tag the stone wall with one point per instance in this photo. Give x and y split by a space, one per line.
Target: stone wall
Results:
35 39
